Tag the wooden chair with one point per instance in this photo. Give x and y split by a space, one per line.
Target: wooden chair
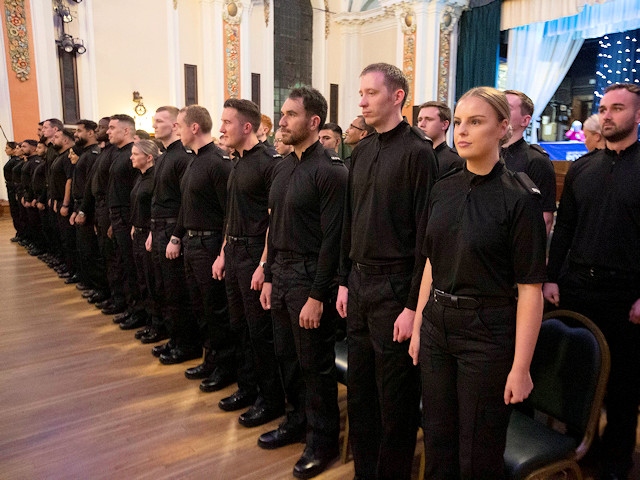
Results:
555 426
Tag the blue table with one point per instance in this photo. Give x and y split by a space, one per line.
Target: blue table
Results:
564 150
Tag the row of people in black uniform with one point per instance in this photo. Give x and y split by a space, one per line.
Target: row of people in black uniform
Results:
427 273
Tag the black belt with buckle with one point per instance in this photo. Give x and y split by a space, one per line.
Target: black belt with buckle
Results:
386 269
471 303
601 273
200 233
231 240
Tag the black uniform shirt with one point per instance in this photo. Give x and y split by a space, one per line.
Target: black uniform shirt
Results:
169 168
248 192
532 160
447 158
485 233
16 176
390 179
81 172
39 182
204 191
307 205
598 220
122 176
8 169
141 199
27 175
61 171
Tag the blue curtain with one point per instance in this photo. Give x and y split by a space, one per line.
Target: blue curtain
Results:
618 61
478 47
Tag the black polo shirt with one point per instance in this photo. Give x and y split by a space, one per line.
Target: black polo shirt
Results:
8 169
204 191
447 158
598 221
307 206
61 171
141 199
122 176
169 168
81 172
390 179
39 182
535 162
485 234
27 175
248 191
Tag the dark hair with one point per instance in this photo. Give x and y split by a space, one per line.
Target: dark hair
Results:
630 87
394 79
313 102
124 118
444 112
31 142
77 150
55 122
105 118
334 127
41 123
200 115
526 104
88 124
365 126
248 111
12 144
68 133
143 134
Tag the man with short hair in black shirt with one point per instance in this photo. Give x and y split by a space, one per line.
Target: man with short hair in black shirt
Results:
598 228
33 227
10 149
519 156
168 264
60 177
199 227
306 202
434 119
122 176
241 264
391 175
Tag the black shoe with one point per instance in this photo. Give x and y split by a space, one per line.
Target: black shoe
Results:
122 317
34 252
98 297
142 332
256 416
218 380
113 309
312 464
83 287
285 434
165 348
88 293
136 320
154 336
178 355
103 304
15 239
64 274
201 371
237 400
75 278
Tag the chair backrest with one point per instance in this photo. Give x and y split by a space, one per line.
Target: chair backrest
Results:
570 369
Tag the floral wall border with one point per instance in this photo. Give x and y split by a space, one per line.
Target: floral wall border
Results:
16 21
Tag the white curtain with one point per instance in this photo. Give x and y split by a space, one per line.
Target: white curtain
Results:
537 63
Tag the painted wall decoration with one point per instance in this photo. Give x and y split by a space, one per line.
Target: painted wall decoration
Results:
16 22
232 15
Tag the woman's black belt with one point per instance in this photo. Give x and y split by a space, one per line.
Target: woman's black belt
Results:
231 240
459 301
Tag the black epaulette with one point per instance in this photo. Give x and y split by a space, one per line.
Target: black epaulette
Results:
448 173
333 156
275 155
420 134
524 180
538 149
95 150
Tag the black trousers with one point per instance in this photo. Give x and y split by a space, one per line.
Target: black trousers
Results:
607 301
465 358
34 227
306 356
170 282
14 208
124 256
257 366
90 262
107 247
54 230
144 274
68 239
47 234
209 299
383 385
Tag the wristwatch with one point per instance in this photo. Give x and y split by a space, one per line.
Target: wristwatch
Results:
175 241
262 264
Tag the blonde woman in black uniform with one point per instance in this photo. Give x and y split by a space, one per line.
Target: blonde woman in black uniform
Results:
480 304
